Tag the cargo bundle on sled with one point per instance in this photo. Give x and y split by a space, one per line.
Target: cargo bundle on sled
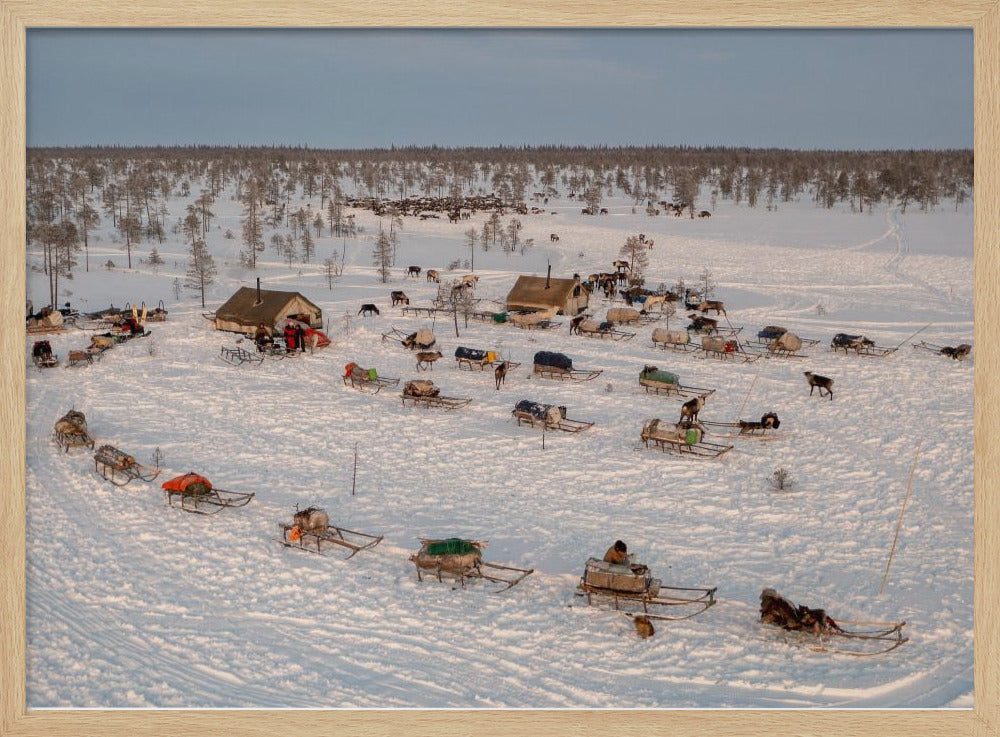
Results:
420 340
605 329
119 467
310 530
630 587
673 340
463 559
195 493
817 631
548 416
725 349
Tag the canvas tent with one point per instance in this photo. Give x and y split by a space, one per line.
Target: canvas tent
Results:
540 293
250 307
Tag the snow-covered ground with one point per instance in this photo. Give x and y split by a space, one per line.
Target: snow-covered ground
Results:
134 604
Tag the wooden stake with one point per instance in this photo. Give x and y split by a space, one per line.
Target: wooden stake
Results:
899 524
914 335
354 479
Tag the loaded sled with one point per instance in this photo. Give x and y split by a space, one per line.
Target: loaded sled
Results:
770 333
424 392
70 431
680 439
814 629
310 530
595 329
548 416
194 493
719 348
631 588
423 339
549 365
119 467
861 345
673 340
958 353
474 359
463 559
366 380
656 381
42 355
540 320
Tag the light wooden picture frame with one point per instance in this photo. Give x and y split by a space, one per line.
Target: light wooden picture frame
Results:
16 16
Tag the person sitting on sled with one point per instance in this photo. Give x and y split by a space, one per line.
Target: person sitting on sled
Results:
617 554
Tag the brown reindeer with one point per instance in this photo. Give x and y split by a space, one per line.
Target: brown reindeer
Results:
500 373
704 214
413 271
432 275
711 304
815 380
426 359
399 298
369 309
691 408
553 237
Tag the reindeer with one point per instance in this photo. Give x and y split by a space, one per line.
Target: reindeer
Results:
500 373
453 217
432 275
621 265
426 359
369 309
313 519
604 211
470 280
701 324
815 380
704 214
690 410
574 324
958 352
553 237
711 304
399 298
413 271
643 626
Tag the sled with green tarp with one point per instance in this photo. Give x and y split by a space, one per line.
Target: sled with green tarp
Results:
463 559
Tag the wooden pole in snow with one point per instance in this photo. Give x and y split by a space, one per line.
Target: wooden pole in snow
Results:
354 479
899 524
913 336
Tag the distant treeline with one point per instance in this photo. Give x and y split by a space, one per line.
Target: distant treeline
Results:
70 189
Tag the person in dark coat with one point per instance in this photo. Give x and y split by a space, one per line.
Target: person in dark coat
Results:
300 337
263 337
617 553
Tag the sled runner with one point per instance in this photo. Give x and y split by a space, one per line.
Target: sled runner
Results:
630 588
549 365
194 493
463 559
423 392
656 381
310 530
366 380
71 431
958 353
680 439
814 629
548 416
119 468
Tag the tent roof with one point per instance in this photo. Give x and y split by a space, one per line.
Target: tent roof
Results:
530 290
242 305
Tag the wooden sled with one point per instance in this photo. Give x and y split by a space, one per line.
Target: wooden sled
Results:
395 335
630 588
958 353
465 562
680 391
435 401
237 355
553 372
564 424
67 440
481 363
321 541
211 501
362 383
616 335
741 430
678 440
855 638
861 346
119 468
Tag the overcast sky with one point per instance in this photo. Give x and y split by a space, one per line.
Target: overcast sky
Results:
807 89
